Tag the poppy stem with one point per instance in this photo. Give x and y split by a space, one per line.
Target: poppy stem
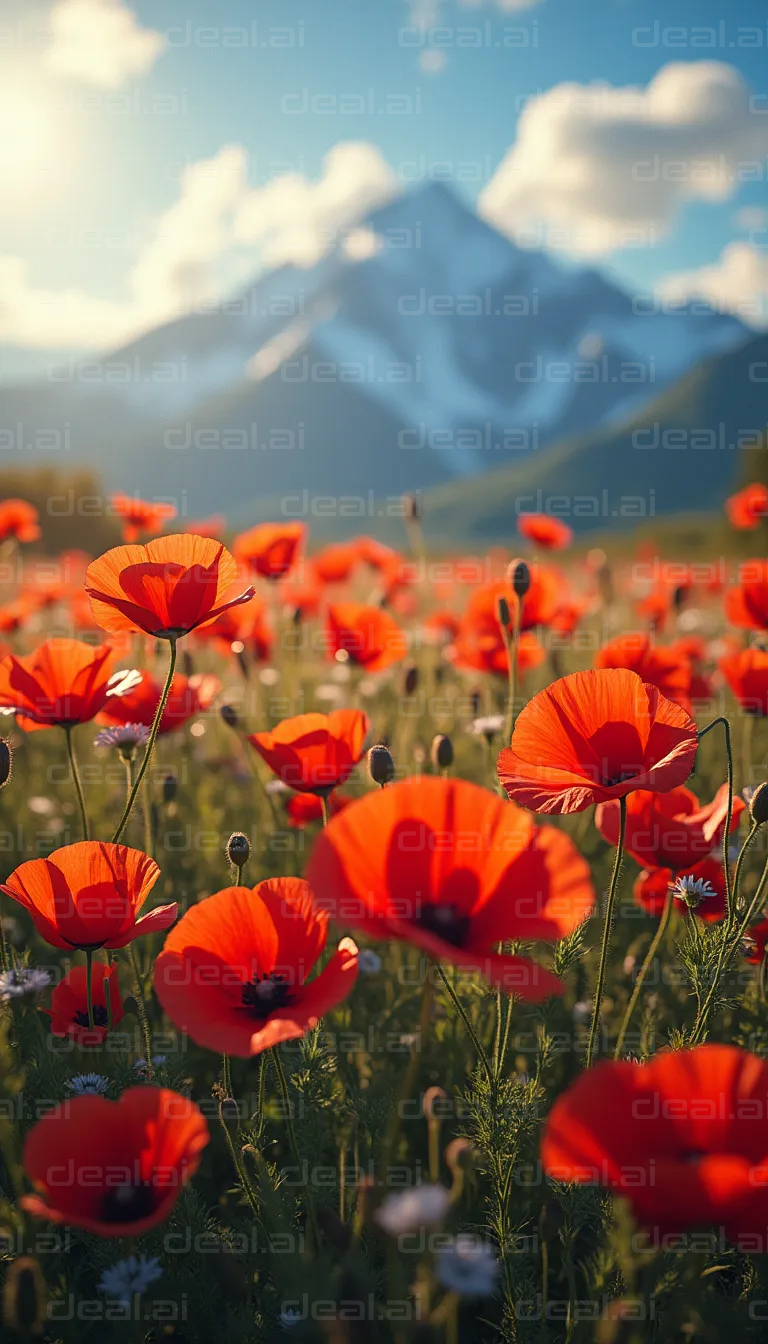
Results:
473 1036
141 1008
89 986
283 1084
513 645
644 969
324 801
607 931
77 781
150 744
746 749
727 829
731 942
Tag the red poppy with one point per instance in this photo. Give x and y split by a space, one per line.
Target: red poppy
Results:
88 895
233 973
455 870
114 1167
18 519
594 736
651 887
305 808
16 614
188 696
440 627
663 668
314 752
336 564
212 526
139 515
747 509
63 683
757 942
746 604
302 592
540 604
375 553
682 1137
247 625
166 588
370 636
747 675
69 1004
549 533
271 549
669 830
480 647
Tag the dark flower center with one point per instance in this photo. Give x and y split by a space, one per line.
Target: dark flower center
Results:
128 1203
446 921
100 1018
619 779
265 994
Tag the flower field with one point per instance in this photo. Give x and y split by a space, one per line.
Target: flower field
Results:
384 953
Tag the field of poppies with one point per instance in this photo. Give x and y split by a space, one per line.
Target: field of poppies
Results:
383 952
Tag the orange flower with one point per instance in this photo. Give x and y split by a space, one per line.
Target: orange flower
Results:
336 564
69 1004
746 604
213 526
88 895
18 519
61 684
747 509
666 669
114 1167
669 830
233 973
304 808
375 554
549 533
594 736
370 636
139 515
454 870
314 752
166 588
189 696
271 549
480 647
747 675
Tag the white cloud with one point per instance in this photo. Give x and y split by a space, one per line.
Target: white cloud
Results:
736 283
219 231
100 42
750 218
595 168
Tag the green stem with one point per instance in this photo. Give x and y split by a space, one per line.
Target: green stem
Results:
727 830
150 744
89 986
644 969
746 749
141 1008
607 931
283 1084
512 654
149 840
473 1036
77 781
324 801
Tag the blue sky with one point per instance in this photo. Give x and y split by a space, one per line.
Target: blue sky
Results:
95 162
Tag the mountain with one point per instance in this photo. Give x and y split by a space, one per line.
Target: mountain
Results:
684 452
425 348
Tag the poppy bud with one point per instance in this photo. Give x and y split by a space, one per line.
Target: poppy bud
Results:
502 611
187 664
6 761
411 679
678 598
758 807
229 715
297 616
518 577
238 850
24 1297
170 788
441 752
412 507
476 701
381 766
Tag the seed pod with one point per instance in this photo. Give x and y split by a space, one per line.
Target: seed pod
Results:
187 664
170 788
411 679
238 850
412 507
518 577
230 716
758 807
476 701
441 752
6 761
24 1298
502 611
381 766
